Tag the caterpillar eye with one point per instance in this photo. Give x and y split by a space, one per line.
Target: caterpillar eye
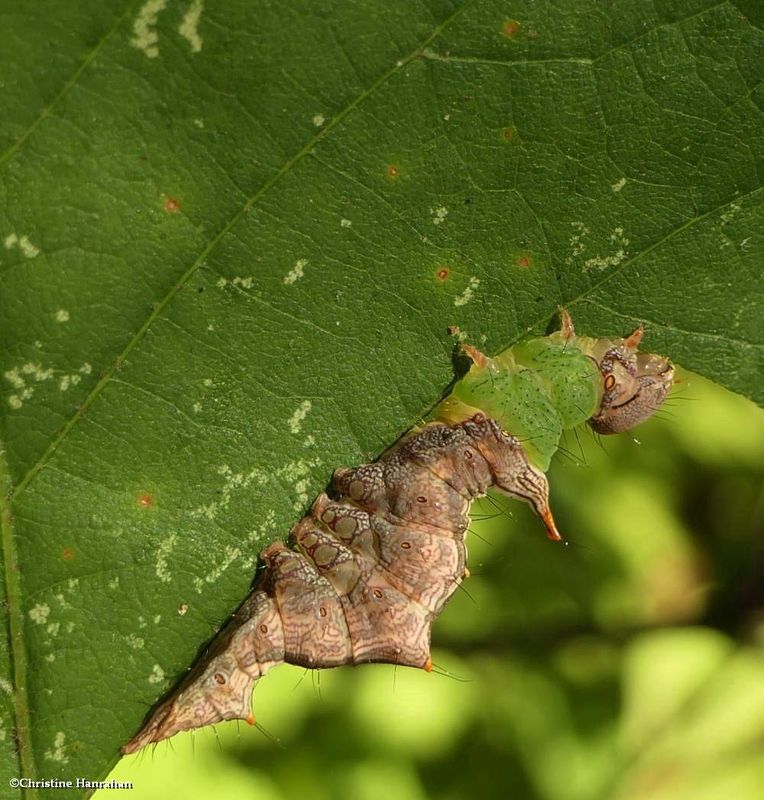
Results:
421 499
609 382
219 678
263 628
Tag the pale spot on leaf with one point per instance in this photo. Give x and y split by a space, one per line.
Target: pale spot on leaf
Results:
189 27
62 601
165 548
296 420
244 283
39 613
145 37
231 481
297 271
600 262
468 293
439 215
58 751
28 249
157 674
229 556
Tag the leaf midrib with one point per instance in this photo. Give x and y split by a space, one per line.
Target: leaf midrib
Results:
67 87
12 573
16 648
336 120
420 50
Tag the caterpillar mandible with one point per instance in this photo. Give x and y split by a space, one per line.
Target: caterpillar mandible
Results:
371 568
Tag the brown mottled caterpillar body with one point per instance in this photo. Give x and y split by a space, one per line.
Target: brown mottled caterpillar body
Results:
370 569
370 572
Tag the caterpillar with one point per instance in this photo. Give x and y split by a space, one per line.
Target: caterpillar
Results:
371 567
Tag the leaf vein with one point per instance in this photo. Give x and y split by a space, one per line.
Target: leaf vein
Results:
209 247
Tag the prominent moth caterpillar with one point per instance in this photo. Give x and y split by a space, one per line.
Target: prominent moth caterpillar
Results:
371 568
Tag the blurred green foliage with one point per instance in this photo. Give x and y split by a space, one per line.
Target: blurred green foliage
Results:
626 665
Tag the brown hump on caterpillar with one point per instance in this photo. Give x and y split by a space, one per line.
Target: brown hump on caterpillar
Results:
370 571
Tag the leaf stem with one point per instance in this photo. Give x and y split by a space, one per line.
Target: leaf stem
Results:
17 649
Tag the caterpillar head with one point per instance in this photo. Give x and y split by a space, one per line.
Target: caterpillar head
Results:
634 385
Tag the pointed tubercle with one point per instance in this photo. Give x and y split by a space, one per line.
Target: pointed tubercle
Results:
551 526
480 359
566 324
635 337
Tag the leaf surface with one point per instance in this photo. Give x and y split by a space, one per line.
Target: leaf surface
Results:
232 238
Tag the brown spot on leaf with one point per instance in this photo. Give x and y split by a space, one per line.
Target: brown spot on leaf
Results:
145 500
524 261
392 171
508 134
68 554
171 205
510 28
443 274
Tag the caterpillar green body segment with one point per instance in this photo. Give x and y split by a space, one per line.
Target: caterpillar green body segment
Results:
539 388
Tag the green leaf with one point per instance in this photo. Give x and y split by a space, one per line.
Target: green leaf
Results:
232 237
